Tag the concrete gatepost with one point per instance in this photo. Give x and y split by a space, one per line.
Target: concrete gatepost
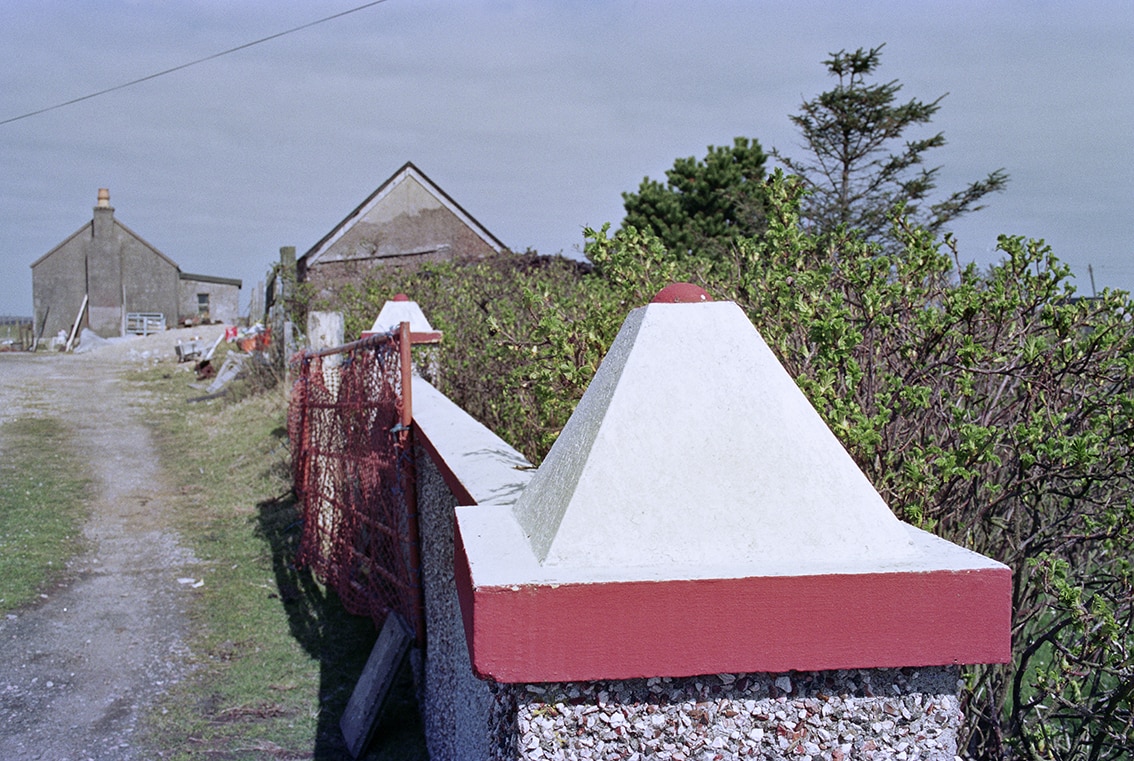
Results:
402 309
396 311
325 331
700 570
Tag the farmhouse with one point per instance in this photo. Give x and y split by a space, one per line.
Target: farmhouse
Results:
408 220
112 281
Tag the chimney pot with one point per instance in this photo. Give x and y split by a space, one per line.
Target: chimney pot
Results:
104 198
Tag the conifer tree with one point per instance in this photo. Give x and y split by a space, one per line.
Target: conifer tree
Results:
861 166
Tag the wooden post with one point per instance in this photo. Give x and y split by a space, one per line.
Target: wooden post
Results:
75 327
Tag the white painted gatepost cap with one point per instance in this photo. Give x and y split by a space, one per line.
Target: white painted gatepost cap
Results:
396 311
696 516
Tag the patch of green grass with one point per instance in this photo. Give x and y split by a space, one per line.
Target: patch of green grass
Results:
42 506
276 655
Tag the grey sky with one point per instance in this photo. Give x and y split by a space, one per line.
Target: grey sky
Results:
534 116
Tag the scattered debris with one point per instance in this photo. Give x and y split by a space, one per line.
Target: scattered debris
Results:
233 367
191 349
89 341
233 364
254 338
208 397
213 349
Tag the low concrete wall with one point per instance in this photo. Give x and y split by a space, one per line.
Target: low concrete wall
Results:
455 704
459 461
902 714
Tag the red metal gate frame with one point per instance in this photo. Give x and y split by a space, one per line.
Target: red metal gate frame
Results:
405 459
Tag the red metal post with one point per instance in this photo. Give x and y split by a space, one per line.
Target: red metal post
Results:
405 346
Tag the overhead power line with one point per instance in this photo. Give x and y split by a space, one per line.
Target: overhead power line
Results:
148 77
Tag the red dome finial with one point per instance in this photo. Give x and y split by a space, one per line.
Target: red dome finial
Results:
401 297
681 293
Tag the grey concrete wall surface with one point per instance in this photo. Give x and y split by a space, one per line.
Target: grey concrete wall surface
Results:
224 304
408 227
149 281
118 270
418 231
327 277
104 275
59 282
224 300
456 706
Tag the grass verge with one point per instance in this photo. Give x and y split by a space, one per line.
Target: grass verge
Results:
276 656
42 506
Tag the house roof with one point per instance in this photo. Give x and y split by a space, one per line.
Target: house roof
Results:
407 171
212 279
86 228
62 243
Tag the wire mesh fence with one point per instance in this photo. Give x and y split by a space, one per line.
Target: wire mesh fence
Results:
348 423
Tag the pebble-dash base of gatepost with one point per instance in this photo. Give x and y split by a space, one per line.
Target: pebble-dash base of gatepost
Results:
904 714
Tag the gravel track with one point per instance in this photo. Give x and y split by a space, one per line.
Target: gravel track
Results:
79 668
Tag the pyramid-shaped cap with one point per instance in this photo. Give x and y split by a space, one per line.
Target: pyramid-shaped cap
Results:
400 309
696 516
692 445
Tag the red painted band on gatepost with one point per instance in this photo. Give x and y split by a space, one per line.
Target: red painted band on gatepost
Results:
626 630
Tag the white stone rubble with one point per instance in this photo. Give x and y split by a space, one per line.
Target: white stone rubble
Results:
875 714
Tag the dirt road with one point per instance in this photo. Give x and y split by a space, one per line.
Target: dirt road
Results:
78 669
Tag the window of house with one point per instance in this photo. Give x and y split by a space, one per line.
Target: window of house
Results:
202 305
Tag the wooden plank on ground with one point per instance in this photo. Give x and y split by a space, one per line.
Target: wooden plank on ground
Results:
368 700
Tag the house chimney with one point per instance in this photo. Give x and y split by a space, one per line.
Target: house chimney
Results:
103 228
104 271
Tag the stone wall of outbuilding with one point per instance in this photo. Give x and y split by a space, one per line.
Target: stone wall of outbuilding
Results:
223 299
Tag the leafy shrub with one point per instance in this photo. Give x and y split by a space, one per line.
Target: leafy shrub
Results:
491 312
994 408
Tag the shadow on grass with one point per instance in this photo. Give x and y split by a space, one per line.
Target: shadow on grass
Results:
340 642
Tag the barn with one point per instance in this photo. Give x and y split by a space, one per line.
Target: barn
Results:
408 220
112 281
